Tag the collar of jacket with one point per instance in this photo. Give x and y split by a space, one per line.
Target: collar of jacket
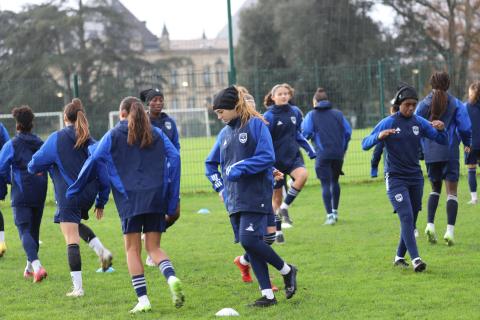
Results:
324 104
281 108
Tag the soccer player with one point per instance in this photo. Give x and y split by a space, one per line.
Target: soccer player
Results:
63 154
28 191
244 150
330 132
4 137
284 123
143 168
472 157
442 161
401 134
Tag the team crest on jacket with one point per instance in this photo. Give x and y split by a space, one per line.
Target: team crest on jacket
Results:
242 137
399 197
416 131
168 125
294 120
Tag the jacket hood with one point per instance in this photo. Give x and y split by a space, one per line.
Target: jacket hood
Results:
31 140
324 104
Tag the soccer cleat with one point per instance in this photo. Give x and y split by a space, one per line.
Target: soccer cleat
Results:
3 248
473 201
27 274
39 275
106 259
419 265
141 307
149 262
415 233
244 270
75 293
263 302
279 238
335 216
330 221
449 240
285 218
431 235
290 280
177 293
400 263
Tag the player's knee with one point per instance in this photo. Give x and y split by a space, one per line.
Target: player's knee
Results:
437 187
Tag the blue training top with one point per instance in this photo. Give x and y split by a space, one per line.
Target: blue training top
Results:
28 190
64 161
4 137
143 180
456 120
246 157
474 115
329 131
168 126
284 123
401 149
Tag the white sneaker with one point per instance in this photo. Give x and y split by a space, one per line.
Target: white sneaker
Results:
449 239
330 221
149 262
141 307
75 293
431 235
415 233
473 201
106 259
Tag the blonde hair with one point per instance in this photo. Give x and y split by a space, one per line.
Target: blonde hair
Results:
75 113
283 85
475 89
139 127
244 108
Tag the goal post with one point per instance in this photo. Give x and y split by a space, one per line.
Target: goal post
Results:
43 125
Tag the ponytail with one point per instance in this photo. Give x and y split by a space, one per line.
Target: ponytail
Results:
245 109
440 82
75 113
139 127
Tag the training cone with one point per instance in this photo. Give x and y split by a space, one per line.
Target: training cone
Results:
109 270
203 211
226 312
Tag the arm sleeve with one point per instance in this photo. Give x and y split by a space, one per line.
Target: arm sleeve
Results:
4 137
103 185
348 133
440 137
371 140
377 154
262 159
6 156
175 138
211 166
464 125
307 126
45 157
173 169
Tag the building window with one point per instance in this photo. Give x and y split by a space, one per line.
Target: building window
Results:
206 76
191 77
175 103
173 79
191 102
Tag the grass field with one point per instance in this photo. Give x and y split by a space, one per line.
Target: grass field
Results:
345 271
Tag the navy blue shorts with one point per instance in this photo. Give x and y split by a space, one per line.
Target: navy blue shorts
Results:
328 169
148 222
22 215
73 215
472 157
445 170
405 194
297 163
248 223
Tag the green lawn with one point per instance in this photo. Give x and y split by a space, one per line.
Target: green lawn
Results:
345 271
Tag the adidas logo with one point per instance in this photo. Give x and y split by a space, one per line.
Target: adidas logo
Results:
279 123
250 227
397 130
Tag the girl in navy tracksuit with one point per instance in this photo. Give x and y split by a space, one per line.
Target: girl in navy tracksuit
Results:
443 161
28 191
401 134
155 101
63 154
472 157
330 133
4 137
245 153
284 122
143 168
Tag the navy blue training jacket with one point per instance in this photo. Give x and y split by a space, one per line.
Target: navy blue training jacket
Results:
284 124
329 131
456 122
143 180
4 137
246 157
168 126
401 149
63 161
28 190
474 115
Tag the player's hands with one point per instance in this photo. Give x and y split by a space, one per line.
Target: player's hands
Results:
467 149
385 133
98 213
220 194
277 175
439 125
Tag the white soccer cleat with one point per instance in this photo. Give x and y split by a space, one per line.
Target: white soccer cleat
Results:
449 239
75 293
141 307
473 201
149 262
430 233
330 221
106 259
178 297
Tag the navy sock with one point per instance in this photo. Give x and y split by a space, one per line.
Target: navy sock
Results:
292 193
326 195
407 235
85 232
335 194
74 259
166 268
432 206
452 209
472 179
278 222
258 250
28 242
139 284
2 226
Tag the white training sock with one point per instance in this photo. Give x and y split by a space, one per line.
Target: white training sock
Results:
431 226
36 265
243 261
285 269
278 232
415 260
76 279
268 293
2 236
284 206
171 279
399 258
450 228
474 196
144 299
96 245
29 267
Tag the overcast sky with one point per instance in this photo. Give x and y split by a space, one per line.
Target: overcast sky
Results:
185 19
